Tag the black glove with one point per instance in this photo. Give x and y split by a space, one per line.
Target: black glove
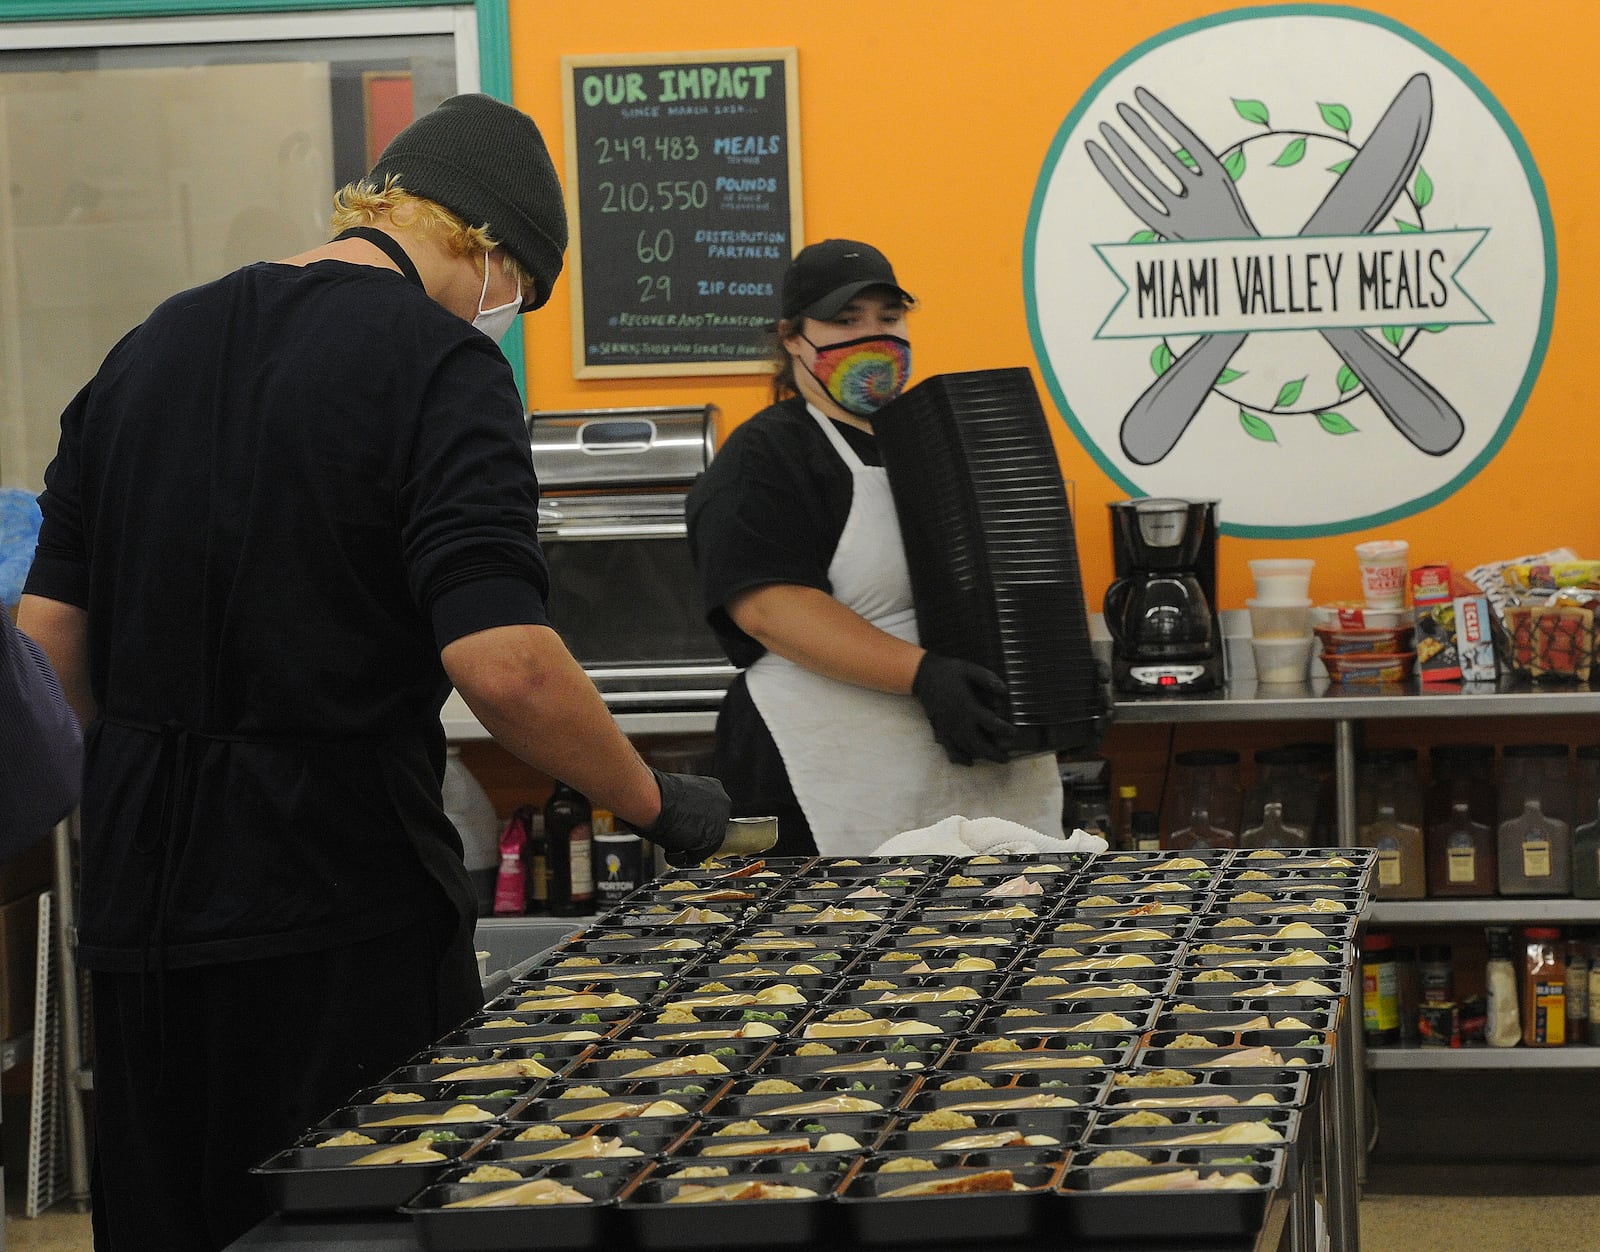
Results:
693 820
959 699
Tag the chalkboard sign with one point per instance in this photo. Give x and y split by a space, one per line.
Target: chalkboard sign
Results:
683 190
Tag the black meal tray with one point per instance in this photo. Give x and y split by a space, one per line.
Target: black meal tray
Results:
654 1224
1029 914
1248 984
871 867
530 999
1289 904
775 965
814 987
446 1058
362 1116
1205 1058
989 1217
1101 1134
624 944
1334 929
889 1090
1030 1021
816 915
907 1055
1112 1050
1292 1086
974 939
866 1128
308 1180
510 1229
1065 1126
716 1026
1215 858
1153 980
1320 1019
1078 1088
894 966
956 992
601 1066
649 1136
1089 1212
984 980
573 1114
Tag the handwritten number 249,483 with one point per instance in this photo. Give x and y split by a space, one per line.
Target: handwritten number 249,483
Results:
609 148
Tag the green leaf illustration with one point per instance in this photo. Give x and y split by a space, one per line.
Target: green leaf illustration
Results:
1289 393
1256 428
1161 358
1234 164
1339 167
1394 334
1336 116
1347 379
1422 188
1406 228
1143 236
1252 111
1435 328
1293 153
1227 376
1183 155
1335 423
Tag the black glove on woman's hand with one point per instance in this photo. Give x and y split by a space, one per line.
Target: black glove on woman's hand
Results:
694 817
959 699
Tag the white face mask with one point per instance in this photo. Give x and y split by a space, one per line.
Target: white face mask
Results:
496 321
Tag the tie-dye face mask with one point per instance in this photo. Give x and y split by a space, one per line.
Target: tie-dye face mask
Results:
863 375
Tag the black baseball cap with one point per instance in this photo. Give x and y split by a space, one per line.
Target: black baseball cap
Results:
826 276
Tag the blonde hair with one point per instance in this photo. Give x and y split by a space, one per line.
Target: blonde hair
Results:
364 204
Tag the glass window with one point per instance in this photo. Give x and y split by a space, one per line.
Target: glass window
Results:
140 158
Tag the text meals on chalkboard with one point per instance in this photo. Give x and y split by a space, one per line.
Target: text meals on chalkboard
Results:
685 210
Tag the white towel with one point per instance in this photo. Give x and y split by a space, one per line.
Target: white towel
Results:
990 836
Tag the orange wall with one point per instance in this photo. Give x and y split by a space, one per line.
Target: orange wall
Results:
924 125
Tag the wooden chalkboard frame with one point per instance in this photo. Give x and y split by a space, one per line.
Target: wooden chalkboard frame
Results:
570 66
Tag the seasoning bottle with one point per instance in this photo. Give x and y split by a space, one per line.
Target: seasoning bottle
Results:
1274 832
1408 991
1586 858
1094 808
568 834
1122 820
1380 1001
1577 991
1594 992
1504 1027
618 862
536 861
1146 831
1436 974
1461 855
1544 988
1535 853
1402 870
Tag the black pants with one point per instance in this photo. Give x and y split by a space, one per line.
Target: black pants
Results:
205 1072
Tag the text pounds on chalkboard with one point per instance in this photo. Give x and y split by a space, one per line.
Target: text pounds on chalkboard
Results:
683 187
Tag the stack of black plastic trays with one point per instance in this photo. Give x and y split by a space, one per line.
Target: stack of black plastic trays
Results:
991 547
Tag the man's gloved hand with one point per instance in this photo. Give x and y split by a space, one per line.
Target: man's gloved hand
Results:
959 699
694 817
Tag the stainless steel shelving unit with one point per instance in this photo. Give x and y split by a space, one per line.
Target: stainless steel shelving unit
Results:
1482 1058
1497 911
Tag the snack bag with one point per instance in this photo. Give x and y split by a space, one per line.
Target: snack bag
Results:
1563 642
1434 600
511 883
1518 619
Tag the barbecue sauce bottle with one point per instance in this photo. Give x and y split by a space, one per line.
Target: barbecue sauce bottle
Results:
568 840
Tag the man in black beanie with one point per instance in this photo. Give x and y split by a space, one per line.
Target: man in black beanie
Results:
290 511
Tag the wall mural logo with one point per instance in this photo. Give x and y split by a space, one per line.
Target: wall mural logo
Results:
1293 258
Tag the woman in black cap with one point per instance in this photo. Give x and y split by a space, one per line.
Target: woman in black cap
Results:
841 724
291 510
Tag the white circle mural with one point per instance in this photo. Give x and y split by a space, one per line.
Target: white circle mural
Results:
1296 259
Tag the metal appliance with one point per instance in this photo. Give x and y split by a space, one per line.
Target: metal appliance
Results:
624 594
1161 609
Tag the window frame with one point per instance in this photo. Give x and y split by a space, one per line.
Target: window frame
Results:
480 28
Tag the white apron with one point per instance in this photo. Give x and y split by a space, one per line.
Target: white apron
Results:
864 764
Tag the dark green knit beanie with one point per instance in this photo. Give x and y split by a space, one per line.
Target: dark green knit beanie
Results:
486 162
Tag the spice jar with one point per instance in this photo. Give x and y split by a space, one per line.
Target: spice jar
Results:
1504 1026
1544 989
1460 816
1436 974
1380 1000
1577 981
1408 990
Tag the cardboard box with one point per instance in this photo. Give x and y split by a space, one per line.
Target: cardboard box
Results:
1434 601
1475 649
19 937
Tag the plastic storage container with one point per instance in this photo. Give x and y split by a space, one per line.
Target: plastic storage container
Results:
1535 853
1205 810
1402 864
1282 580
1461 817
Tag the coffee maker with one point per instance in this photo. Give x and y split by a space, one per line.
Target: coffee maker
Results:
1161 610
